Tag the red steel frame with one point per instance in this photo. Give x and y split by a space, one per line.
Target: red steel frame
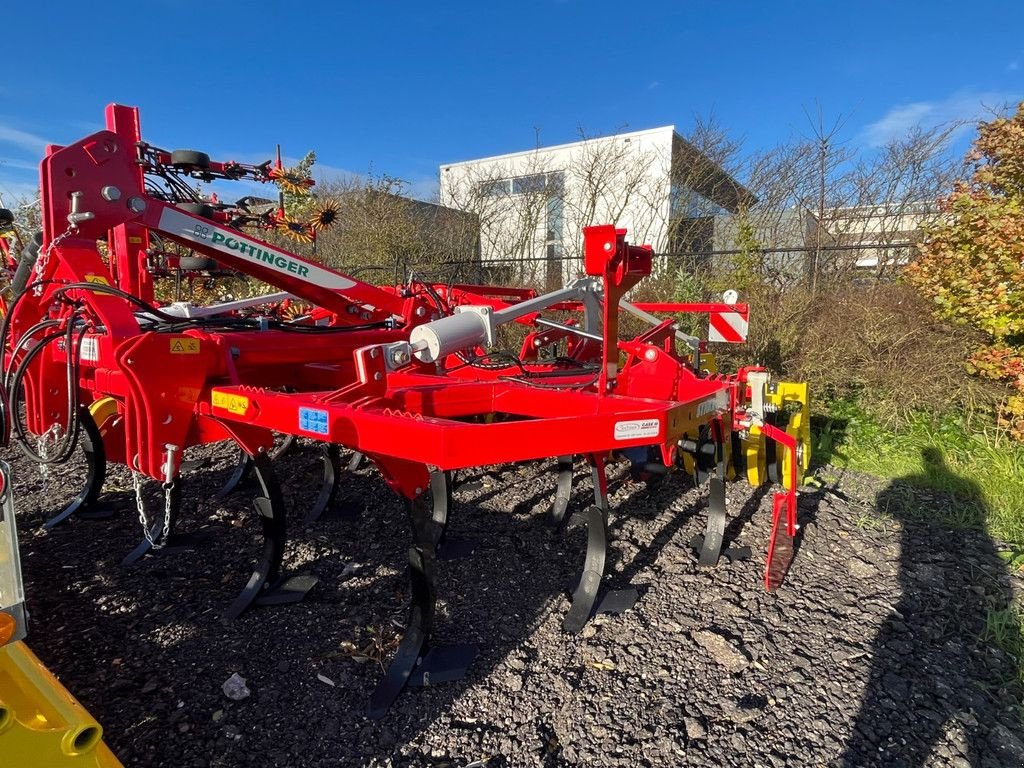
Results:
407 419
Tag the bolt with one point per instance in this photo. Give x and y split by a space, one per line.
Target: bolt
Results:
130 361
419 491
378 376
650 355
136 204
111 193
608 247
374 352
420 311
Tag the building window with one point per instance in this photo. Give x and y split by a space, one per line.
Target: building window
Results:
523 185
555 218
496 188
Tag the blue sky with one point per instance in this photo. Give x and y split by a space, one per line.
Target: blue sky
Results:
404 87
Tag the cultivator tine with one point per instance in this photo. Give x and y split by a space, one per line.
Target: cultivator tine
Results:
144 547
423 578
585 595
243 466
563 492
714 532
441 502
781 546
600 477
330 457
264 587
448 548
85 505
355 461
595 518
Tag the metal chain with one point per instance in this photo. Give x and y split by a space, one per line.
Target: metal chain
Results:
44 258
160 541
43 451
137 484
168 489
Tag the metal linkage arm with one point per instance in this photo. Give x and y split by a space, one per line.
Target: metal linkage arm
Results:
691 341
306 279
94 186
474 325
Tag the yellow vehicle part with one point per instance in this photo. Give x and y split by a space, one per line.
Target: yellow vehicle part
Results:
780 394
41 724
791 399
103 409
755 457
708 362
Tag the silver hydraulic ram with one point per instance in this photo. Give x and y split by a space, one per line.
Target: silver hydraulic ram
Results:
473 326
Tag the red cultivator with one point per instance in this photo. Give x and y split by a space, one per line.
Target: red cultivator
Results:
406 376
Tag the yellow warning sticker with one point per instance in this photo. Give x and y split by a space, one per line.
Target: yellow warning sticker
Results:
99 279
134 239
183 345
234 403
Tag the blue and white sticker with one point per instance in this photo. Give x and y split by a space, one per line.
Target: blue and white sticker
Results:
313 420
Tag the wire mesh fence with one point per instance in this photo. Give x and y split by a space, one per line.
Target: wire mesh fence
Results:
783 267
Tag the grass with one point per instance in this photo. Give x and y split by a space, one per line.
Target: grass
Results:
1004 629
985 472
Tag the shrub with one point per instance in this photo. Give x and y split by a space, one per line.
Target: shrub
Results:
970 263
882 346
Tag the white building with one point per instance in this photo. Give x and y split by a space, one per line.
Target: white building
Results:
533 205
862 240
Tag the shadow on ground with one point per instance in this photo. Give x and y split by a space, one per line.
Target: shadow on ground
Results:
931 675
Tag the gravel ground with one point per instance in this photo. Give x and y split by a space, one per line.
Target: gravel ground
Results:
869 655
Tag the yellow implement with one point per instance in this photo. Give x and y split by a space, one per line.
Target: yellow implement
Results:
41 724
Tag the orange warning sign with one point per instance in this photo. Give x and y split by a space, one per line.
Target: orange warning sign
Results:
183 345
234 403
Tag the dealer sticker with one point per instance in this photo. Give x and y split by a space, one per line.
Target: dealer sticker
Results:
637 428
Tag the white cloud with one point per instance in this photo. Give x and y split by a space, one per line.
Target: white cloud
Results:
964 105
21 165
14 192
29 142
1013 66
425 188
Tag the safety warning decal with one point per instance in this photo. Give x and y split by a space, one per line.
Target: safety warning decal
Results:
183 345
238 404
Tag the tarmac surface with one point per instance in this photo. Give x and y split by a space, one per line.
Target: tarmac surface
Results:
870 654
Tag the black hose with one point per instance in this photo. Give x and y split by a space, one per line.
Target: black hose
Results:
29 256
22 342
66 446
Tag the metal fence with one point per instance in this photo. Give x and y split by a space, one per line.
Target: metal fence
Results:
784 266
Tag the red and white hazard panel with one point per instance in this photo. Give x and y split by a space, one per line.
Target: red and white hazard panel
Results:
730 326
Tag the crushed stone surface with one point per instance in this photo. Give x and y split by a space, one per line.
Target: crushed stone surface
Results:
869 655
